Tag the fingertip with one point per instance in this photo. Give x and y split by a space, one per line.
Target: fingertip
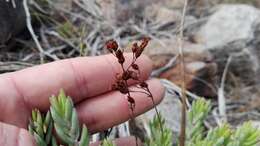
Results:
26 138
147 61
12 135
157 89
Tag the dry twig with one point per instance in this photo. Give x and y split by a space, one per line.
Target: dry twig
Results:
34 36
221 96
13 3
184 97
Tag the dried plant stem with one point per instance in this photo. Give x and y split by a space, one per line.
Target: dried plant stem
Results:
182 71
149 94
33 35
30 29
158 115
221 93
156 110
13 3
131 108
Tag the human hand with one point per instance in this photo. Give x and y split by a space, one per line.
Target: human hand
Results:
88 80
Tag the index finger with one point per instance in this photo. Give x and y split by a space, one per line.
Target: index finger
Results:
81 78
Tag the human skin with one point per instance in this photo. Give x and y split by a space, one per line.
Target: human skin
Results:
88 80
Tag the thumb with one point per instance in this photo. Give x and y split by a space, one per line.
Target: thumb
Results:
14 136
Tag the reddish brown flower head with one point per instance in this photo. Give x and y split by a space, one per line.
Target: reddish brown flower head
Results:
131 72
111 45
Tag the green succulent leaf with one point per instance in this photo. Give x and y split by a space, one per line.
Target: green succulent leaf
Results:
84 139
66 122
41 127
39 140
107 142
48 126
53 142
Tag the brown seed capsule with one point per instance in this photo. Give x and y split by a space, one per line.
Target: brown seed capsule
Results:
114 87
144 43
144 85
120 56
122 86
135 47
111 45
138 52
126 75
135 66
123 90
131 101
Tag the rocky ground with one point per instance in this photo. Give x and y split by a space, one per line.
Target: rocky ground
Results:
221 45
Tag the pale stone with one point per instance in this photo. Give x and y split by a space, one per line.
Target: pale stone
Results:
228 24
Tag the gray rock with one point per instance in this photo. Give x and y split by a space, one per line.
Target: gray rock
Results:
170 46
255 45
243 64
12 19
228 24
234 30
121 11
162 14
63 4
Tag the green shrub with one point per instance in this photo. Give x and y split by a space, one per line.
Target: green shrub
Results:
63 118
246 135
157 138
